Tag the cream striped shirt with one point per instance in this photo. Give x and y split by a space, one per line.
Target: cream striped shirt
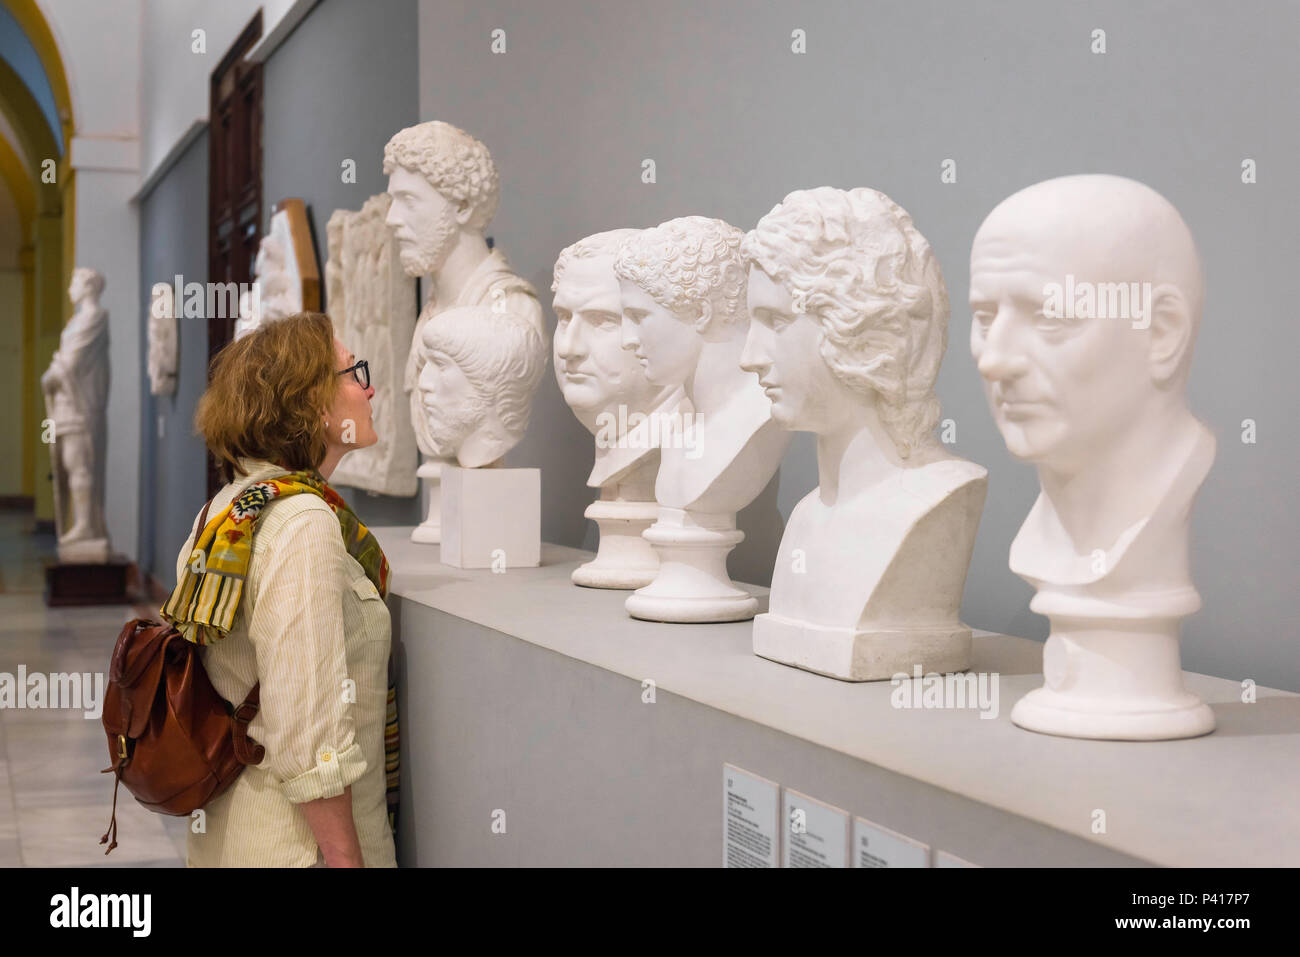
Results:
313 628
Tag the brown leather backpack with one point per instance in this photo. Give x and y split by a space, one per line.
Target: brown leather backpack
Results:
173 741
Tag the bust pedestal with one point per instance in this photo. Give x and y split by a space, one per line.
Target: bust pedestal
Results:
1111 667
624 559
1112 678
429 532
692 584
491 518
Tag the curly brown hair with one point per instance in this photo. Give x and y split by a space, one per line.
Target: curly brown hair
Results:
266 394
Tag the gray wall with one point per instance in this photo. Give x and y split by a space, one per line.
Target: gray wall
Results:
173 475
885 93
337 88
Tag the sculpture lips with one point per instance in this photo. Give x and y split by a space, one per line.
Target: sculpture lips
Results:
1016 411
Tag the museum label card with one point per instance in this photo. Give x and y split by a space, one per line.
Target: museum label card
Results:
876 846
816 834
944 859
750 819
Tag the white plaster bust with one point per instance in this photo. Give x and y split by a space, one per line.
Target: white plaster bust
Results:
1086 297
445 190
608 391
163 344
76 399
277 291
684 317
849 324
480 370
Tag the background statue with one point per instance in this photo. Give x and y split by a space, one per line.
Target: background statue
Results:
76 400
1086 295
444 189
849 323
163 344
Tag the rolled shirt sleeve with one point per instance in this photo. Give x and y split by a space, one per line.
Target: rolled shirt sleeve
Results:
297 633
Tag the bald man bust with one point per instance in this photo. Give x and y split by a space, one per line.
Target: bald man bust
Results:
1086 296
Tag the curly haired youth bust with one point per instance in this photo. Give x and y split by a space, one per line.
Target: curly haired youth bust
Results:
682 287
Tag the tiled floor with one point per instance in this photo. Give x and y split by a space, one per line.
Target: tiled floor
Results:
54 802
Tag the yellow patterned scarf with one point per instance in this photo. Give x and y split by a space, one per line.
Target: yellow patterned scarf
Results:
202 606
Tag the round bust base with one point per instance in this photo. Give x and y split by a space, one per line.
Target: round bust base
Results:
740 606
1050 712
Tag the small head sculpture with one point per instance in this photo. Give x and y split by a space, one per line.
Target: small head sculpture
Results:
481 371
682 285
848 305
442 181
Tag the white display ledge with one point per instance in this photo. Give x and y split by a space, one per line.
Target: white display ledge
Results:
1227 799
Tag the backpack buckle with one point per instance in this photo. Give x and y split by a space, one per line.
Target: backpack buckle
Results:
121 748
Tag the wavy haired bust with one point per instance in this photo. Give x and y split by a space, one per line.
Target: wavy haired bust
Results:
848 325
854 260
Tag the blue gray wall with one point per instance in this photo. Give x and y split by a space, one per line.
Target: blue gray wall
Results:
884 94
173 471
341 84
335 89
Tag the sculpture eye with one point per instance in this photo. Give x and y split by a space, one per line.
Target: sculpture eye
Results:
1046 323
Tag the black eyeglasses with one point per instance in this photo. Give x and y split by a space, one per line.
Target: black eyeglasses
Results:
360 372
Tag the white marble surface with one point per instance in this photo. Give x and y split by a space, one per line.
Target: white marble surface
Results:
1223 800
54 802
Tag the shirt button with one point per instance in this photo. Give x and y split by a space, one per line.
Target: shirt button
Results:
325 756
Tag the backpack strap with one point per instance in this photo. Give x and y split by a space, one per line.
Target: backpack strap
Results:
246 749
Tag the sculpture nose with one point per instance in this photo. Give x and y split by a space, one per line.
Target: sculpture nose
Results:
753 358
567 338
998 358
630 338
